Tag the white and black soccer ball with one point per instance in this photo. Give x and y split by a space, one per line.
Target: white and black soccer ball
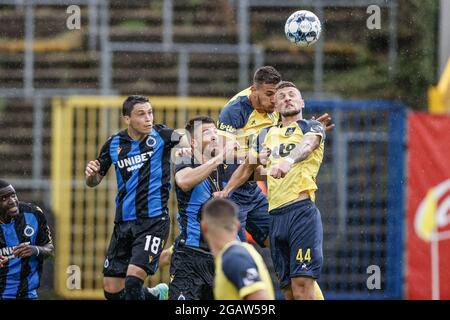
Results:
303 28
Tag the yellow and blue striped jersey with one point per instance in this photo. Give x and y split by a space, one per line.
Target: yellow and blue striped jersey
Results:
302 176
240 271
241 121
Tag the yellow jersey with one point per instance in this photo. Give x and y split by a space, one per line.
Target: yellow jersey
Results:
240 271
302 176
239 120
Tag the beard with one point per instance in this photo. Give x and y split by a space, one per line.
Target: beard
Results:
290 113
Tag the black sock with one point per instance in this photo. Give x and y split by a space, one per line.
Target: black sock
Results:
115 296
133 288
147 292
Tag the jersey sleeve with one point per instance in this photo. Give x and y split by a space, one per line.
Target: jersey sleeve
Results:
44 235
105 158
230 120
170 136
241 270
312 127
183 162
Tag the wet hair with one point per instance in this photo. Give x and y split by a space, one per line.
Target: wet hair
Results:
286 84
129 103
224 212
190 125
266 75
4 184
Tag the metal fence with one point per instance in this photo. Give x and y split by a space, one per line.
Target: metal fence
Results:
360 190
361 196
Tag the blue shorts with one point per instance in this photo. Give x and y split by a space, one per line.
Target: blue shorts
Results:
296 241
253 212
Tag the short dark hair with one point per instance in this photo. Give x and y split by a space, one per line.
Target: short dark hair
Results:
222 210
190 125
4 184
286 84
266 75
129 103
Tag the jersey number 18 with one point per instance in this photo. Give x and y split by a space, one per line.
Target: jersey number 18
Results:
154 244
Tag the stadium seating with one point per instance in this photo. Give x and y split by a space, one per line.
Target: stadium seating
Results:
63 59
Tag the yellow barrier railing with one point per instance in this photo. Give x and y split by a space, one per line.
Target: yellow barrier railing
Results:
439 96
84 216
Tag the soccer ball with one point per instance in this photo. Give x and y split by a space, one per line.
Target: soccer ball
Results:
303 28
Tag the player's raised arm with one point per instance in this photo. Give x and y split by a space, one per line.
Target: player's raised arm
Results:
304 149
97 169
187 178
310 142
238 178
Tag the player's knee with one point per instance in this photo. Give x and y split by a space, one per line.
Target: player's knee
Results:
133 288
165 257
303 288
114 296
111 284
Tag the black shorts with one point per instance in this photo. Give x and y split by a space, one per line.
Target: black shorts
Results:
191 275
138 242
296 241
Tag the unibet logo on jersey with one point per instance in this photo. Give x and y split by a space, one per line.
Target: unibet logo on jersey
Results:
135 162
7 252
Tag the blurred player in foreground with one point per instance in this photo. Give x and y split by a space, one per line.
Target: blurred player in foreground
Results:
141 156
197 177
25 241
292 153
240 272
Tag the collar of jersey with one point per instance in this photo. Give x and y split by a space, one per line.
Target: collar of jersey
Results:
124 133
228 245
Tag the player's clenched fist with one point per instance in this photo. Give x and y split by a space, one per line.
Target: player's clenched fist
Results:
220 194
92 168
92 172
280 170
264 156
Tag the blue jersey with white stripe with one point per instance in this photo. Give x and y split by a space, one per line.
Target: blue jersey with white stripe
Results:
20 277
142 170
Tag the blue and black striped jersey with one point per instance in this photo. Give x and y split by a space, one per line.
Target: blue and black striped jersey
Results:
20 277
143 171
190 205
